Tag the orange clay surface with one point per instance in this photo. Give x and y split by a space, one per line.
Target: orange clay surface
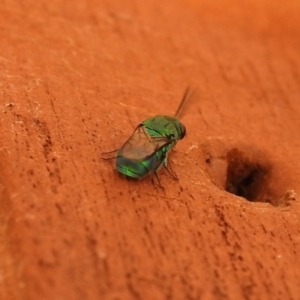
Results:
76 77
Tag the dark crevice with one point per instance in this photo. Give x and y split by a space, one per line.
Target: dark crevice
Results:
246 177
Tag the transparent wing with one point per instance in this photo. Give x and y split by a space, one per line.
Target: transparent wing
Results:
141 145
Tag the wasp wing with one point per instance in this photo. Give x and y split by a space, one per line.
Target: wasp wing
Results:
140 145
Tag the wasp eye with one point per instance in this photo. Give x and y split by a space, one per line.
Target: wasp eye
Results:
183 131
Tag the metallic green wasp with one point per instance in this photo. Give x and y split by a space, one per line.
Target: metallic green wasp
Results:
148 147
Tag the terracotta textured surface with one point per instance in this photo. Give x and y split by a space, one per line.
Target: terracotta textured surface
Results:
77 77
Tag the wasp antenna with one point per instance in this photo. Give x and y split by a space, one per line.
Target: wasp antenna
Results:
186 96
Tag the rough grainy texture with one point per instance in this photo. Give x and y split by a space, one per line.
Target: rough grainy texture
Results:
76 77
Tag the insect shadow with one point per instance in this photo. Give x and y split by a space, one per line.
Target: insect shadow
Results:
146 150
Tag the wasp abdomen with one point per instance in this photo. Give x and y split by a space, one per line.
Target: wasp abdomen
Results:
137 168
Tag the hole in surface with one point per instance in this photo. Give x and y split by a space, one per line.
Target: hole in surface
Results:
246 171
246 177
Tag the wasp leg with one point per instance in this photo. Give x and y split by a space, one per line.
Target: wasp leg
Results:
172 175
156 173
170 171
108 158
110 152
164 164
158 180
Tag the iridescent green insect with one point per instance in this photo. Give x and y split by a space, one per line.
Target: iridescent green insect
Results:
148 147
